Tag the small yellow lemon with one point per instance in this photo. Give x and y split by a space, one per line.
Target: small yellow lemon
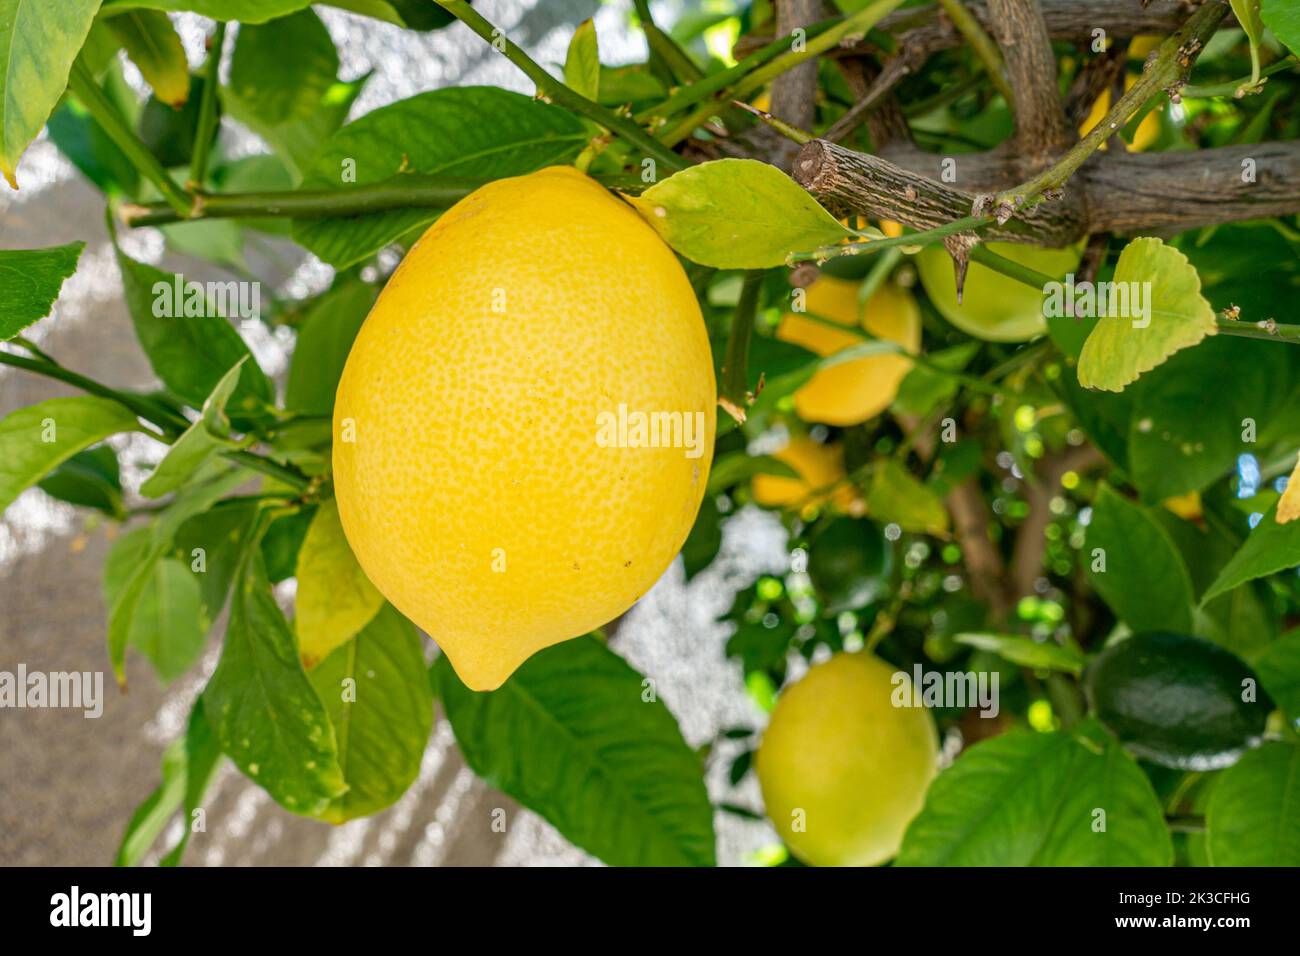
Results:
1148 130
820 469
842 768
851 392
524 426
994 307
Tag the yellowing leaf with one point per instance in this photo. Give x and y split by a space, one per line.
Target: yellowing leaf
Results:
736 214
1288 506
897 497
151 42
582 63
335 598
1165 313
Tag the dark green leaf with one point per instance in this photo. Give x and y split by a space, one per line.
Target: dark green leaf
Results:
1253 818
705 539
1031 799
30 280
325 337
441 132
1144 580
90 479
1271 547
576 736
263 709
1278 666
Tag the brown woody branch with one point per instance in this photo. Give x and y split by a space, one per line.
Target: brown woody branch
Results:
1041 129
1120 192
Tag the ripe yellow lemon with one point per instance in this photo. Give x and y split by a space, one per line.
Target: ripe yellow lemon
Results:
524 426
854 391
843 770
820 469
994 307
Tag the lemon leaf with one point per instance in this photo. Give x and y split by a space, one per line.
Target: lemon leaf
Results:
245 11
1029 799
1283 18
582 63
377 693
1121 347
203 439
335 598
281 69
1271 547
38 42
264 710
895 496
1252 818
30 281
1026 651
154 47
573 736
736 214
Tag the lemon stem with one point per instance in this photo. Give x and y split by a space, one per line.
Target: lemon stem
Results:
207 122
734 396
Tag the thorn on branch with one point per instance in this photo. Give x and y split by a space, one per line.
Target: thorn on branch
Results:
959 247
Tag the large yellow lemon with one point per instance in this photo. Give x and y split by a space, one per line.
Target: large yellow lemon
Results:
821 475
843 770
851 392
524 426
994 307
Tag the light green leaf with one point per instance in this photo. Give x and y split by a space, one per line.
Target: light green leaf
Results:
154 47
443 133
1121 347
212 546
245 11
1031 799
203 439
736 214
325 337
1271 547
377 693
190 501
188 339
1278 667
36 439
264 711
167 626
38 42
1145 581
1283 18
153 814
582 63
1027 652
1253 817
202 757
896 496
335 598
734 467
30 280
576 736
281 69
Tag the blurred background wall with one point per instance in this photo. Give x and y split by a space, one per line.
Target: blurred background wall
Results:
68 785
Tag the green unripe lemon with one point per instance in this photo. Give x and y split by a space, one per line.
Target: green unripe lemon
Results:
994 307
1177 700
843 771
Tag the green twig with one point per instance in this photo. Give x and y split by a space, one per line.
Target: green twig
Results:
793 133
273 469
1268 329
83 86
207 123
1230 89
982 44
734 395
924 238
557 92
1009 268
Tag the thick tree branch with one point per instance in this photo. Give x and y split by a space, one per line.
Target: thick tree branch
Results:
1041 129
794 93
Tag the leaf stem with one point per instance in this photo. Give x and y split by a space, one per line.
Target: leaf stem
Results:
557 91
273 469
734 396
663 47
1267 329
870 247
1231 88
1010 268
982 44
83 86
207 110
